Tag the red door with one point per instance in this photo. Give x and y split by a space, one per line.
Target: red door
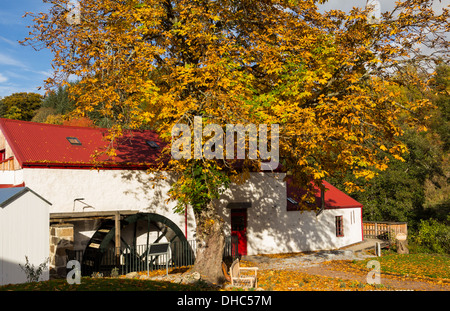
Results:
239 228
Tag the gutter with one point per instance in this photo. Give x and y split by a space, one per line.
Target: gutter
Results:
55 165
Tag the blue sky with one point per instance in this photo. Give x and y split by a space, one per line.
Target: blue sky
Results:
22 69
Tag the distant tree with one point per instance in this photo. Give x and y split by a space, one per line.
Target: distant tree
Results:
59 100
20 106
441 98
398 194
437 187
54 119
80 121
55 105
58 108
43 113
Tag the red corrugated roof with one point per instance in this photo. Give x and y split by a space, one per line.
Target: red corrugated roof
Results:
334 198
35 144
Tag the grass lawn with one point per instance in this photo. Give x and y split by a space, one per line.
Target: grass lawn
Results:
413 265
102 284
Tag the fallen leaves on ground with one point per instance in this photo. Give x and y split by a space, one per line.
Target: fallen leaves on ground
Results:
161 272
431 269
107 284
285 255
426 267
294 280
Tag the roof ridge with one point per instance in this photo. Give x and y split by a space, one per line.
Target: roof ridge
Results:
5 120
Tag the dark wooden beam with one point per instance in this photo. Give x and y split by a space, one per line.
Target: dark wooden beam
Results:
73 216
117 236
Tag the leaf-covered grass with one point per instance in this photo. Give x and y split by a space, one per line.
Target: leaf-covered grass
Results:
101 284
414 265
292 280
278 280
432 268
296 280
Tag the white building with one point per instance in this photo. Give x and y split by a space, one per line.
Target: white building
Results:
24 233
55 161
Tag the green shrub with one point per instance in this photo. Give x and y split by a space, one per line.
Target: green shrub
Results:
33 273
115 272
432 237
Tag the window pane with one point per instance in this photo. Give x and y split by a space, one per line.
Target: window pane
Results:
339 226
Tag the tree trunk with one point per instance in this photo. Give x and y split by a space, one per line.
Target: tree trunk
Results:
210 245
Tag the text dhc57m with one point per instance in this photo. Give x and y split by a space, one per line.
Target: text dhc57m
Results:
246 301
233 300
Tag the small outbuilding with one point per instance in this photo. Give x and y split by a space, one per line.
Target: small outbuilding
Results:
24 232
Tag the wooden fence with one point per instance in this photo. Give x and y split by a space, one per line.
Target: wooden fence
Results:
7 164
384 230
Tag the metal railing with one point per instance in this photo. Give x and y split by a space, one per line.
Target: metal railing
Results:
134 258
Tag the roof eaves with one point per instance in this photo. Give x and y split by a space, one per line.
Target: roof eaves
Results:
12 143
18 194
125 166
343 206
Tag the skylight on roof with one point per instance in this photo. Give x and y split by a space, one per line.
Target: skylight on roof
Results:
292 200
74 141
152 144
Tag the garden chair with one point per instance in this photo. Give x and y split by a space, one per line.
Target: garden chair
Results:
243 279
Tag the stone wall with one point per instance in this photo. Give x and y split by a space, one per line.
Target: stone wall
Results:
61 239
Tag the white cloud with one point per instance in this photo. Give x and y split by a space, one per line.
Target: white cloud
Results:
9 18
10 42
386 5
10 61
3 78
46 73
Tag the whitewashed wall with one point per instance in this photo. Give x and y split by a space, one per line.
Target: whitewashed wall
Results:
104 190
271 228
24 231
11 177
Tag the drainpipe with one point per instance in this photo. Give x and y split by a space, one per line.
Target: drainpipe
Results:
117 236
185 222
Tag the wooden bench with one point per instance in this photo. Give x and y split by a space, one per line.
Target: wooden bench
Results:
246 279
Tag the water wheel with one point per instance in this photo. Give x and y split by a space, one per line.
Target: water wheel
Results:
139 229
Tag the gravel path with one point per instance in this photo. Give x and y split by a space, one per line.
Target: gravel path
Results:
304 260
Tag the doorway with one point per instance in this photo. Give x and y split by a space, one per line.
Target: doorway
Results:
239 228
